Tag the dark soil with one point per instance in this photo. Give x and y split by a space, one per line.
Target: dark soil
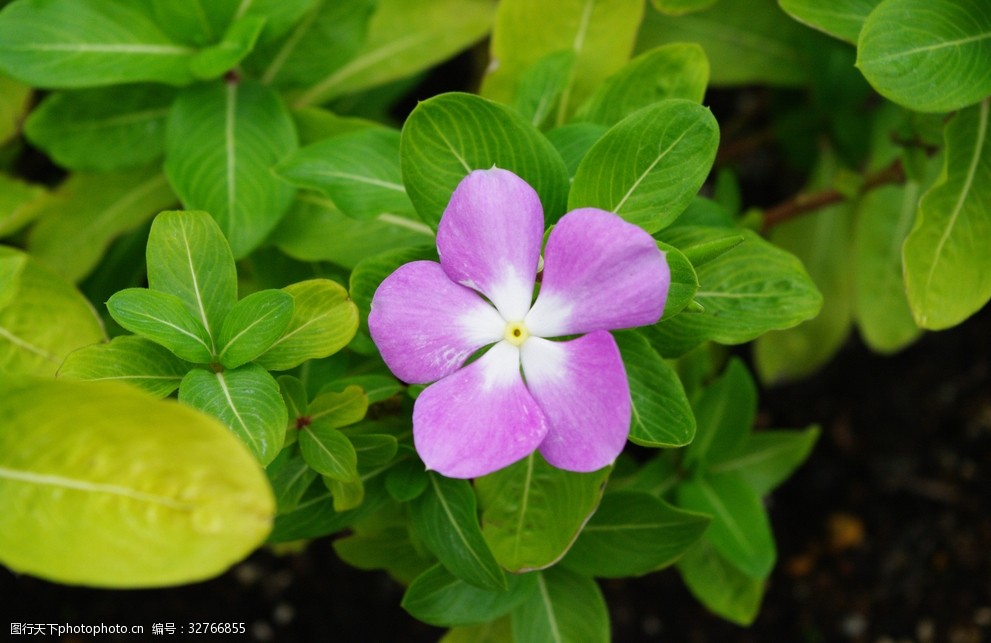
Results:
883 536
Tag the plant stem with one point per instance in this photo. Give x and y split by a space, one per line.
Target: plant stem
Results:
802 203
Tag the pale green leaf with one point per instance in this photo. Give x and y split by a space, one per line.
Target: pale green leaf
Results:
565 608
740 529
314 229
104 485
440 598
162 318
221 142
449 136
671 71
323 322
662 416
359 172
88 211
599 32
337 409
822 240
842 19
246 399
541 86
404 38
649 166
35 295
15 98
948 244
679 7
930 57
253 325
20 203
884 218
130 359
746 41
631 534
445 518
188 257
102 129
532 512
85 43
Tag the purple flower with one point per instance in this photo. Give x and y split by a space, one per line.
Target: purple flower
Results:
570 399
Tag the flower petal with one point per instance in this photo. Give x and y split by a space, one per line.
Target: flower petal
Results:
582 388
426 326
480 419
489 238
600 273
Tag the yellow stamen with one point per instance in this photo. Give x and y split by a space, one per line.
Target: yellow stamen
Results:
516 333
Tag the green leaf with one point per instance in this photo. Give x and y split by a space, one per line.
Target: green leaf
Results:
20 202
134 360
884 218
753 288
541 86
371 272
348 494
445 518
440 598
841 19
358 171
374 450
328 36
315 515
599 32
746 42
88 212
329 452
406 480
684 281
387 548
323 322
822 240
532 512
631 534
236 44
768 458
565 608
948 242
15 99
106 486
86 43
290 477
247 400
662 416
497 631
376 387
672 71
221 142
335 410
740 530
448 136
573 141
679 7
649 166
316 230
102 129
939 65
404 38
720 586
30 293
253 325
725 412
188 257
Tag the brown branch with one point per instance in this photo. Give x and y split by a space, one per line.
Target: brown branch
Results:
803 203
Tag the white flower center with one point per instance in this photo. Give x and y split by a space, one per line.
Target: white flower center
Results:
516 333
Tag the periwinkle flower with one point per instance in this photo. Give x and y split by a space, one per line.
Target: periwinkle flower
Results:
569 399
